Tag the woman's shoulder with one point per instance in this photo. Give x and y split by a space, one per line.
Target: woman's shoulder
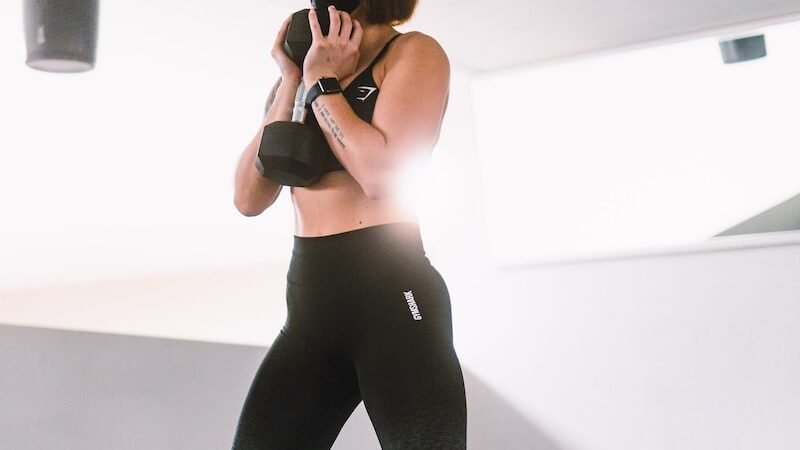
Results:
418 38
415 46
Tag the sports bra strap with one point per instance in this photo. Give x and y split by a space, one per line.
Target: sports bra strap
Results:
383 51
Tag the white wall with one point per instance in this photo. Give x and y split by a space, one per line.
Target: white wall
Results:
637 151
689 351
242 305
127 170
685 351
245 304
695 349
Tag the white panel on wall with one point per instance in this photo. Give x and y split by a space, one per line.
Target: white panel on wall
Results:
660 147
127 171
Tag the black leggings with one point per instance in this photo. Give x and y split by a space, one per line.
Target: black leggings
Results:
368 319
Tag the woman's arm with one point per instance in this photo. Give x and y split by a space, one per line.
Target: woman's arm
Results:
406 121
253 193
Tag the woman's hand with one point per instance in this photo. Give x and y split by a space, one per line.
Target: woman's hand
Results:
335 55
289 70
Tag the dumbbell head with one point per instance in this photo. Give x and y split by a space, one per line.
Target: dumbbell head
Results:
298 36
347 6
291 153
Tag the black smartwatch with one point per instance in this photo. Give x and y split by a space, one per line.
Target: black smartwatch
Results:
325 86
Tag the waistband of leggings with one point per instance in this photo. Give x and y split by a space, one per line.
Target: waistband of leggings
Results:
398 236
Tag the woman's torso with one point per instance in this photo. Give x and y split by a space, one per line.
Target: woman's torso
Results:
336 203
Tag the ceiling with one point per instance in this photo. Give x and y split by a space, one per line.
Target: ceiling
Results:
510 33
127 170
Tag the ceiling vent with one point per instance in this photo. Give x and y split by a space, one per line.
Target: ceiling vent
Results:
743 49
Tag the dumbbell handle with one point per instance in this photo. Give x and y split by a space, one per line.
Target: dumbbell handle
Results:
299 111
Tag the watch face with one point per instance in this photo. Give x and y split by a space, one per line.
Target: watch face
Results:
329 85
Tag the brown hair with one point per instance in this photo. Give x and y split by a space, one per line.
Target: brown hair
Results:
387 12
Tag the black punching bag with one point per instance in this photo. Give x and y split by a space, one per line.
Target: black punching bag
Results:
61 35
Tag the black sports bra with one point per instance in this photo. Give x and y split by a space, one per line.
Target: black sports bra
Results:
361 94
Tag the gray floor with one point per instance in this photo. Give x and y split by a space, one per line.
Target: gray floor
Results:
74 390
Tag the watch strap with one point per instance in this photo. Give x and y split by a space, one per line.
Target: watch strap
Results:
324 86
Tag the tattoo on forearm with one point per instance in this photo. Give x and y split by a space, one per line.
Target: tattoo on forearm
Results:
333 127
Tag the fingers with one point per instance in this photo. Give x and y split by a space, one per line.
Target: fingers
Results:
342 26
347 28
358 33
336 22
316 30
281 37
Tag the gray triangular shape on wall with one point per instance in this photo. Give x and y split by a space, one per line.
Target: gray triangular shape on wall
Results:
783 217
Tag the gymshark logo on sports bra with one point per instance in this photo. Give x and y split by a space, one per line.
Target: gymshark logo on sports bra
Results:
366 90
412 305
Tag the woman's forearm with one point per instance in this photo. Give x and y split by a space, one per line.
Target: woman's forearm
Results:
361 148
254 193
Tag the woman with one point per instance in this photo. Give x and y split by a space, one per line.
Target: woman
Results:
368 317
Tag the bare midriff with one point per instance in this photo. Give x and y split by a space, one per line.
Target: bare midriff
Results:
336 204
